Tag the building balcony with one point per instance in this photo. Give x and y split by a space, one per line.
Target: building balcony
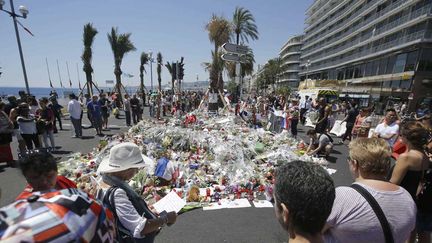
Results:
392 46
290 54
340 16
386 30
373 19
413 17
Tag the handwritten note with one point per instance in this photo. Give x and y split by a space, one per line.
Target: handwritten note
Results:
171 202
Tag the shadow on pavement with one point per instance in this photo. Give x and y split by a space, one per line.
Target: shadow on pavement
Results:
114 128
87 137
61 152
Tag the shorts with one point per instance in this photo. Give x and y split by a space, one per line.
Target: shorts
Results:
17 134
424 221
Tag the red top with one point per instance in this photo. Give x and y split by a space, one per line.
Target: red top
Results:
398 148
62 183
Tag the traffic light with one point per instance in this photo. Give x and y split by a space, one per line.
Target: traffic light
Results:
181 71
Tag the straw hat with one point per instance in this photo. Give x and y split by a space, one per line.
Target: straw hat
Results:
123 156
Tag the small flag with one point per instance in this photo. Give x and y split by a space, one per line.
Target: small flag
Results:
70 83
79 84
51 85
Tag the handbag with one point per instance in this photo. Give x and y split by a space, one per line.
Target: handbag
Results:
388 236
424 196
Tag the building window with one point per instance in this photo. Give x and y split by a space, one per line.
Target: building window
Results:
340 74
425 63
382 66
411 61
399 66
395 84
405 84
358 71
349 73
386 84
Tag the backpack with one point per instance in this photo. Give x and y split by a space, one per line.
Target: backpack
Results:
123 234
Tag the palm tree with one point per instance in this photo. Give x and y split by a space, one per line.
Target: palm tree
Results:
244 26
159 70
173 75
219 31
144 59
120 45
88 38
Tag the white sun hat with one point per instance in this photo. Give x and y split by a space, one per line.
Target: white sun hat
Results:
123 156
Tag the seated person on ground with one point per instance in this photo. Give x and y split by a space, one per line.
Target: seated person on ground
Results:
40 170
319 145
304 193
164 170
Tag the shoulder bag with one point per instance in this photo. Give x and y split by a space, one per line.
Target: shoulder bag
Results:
388 236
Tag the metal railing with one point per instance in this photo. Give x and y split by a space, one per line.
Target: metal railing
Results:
346 23
404 19
404 39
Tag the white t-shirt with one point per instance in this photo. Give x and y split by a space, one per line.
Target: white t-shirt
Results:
384 130
74 109
169 171
353 220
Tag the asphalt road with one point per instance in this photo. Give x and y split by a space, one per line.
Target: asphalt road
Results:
225 225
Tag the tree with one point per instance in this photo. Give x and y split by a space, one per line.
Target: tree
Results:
144 59
244 26
271 72
173 74
120 46
89 34
219 31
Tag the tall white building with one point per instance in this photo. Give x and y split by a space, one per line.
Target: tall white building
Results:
381 48
290 58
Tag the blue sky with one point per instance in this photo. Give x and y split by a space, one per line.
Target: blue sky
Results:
173 27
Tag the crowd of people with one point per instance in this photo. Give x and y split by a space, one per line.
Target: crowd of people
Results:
389 201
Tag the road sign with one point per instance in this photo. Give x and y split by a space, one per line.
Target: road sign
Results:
233 48
231 57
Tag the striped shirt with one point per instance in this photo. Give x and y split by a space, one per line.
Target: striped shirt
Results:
353 220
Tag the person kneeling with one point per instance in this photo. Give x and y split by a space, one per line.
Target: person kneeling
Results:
319 145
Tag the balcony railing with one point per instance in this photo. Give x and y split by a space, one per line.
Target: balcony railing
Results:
390 26
404 19
341 23
346 23
385 46
341 15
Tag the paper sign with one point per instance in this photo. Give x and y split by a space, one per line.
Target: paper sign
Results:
263 204
225 203
171 202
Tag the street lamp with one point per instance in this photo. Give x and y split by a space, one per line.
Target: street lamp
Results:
24 12
308 63
151 68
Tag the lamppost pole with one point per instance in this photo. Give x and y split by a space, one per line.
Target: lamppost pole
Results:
307 72
12 13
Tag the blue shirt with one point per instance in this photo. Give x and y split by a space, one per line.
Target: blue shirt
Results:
95 109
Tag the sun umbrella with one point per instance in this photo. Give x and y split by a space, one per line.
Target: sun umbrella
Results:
68 215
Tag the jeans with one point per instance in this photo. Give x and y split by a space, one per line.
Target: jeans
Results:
128 118
77 126
31 139
45 135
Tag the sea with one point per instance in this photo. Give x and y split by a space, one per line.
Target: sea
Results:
40 92
63 93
